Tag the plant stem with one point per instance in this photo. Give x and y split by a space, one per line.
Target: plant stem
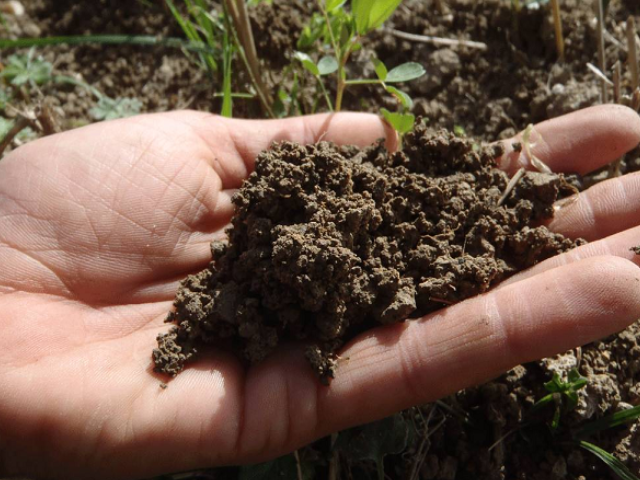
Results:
602 61
557 23
240 18
325 94
633 52
338 53
363 81
20 124
342 80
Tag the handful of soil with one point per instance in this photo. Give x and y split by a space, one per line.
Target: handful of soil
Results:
329 241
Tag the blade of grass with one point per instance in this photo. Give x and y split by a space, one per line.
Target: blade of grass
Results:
140 40
612 462
227 49
610 421
244 35
192 34
602 61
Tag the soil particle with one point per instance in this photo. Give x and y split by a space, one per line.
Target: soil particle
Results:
329 241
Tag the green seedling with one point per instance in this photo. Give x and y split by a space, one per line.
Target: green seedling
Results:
200 27
112 108
343 31
564 395
27 69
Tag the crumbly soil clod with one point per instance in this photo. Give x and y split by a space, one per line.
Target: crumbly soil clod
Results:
329 241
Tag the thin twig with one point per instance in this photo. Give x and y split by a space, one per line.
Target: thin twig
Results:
557 23
449 42
632 58
635 99
617 79
22 122
602 61
47 120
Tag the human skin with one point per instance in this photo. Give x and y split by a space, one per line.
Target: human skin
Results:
99 224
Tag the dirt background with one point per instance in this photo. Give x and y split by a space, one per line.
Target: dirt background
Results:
489 95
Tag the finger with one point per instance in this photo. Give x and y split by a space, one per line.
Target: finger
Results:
579 142
478 339
236 143
618 245
605 209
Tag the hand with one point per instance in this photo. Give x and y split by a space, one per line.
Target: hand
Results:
99 224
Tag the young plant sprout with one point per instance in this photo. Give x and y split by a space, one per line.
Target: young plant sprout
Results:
344 30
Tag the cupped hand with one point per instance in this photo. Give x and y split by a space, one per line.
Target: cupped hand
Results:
99 224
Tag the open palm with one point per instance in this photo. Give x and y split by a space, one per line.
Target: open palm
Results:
99 224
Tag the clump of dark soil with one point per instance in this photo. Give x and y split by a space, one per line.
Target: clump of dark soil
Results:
328 241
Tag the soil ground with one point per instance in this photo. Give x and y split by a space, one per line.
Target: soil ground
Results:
488 95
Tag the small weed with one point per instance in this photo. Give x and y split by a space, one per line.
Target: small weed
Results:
563 394
565 397
112 108
343 31
27 69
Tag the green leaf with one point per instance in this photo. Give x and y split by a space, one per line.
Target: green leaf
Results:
381 69
371 14
327 65
401 122
22 69
307 63
610 421
375 440
404 99
619 468
361 11
381 10
405 72
112 108
459 131
331 5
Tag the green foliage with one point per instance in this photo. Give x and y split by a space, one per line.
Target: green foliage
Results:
24 69
610 421
278 469
405 72
401 122
563 394
376 440
341 30
112 108
200 27
371 14
619 468
459 131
